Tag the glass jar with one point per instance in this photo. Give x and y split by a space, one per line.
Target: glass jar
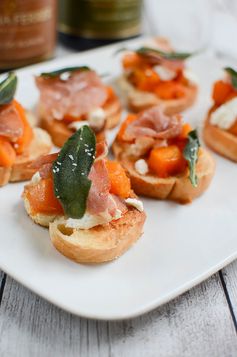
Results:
85 24
27 31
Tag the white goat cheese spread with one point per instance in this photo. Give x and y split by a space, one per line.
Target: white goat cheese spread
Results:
78 124
89 220
164 73
96 118
225 116
141 167
135 203
35 178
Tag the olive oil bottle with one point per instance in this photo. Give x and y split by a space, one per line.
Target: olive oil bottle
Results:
84 24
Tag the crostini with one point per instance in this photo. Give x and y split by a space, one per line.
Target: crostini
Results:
163 156
86 201
157 75
20 144
72 97
220 127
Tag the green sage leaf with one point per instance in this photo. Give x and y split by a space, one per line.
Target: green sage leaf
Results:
63 70
8 88
172 56
233 76
190 153
71 170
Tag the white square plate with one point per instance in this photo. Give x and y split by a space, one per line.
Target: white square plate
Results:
181 245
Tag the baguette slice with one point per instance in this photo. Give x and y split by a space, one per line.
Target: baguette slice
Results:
60 132
175 188
140 100
99 244
43 220
96 245
21 170
221 141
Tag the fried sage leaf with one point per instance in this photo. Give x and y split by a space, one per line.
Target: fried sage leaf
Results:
190 153
71 170
172 56
63 70
233 76
8 88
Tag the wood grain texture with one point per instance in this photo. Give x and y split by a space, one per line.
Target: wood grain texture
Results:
196 324
230 278
2 284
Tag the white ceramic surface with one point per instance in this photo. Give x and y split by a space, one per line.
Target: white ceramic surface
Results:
181 245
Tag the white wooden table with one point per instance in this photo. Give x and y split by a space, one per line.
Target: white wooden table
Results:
201 322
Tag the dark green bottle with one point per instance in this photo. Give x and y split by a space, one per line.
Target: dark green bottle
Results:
85 24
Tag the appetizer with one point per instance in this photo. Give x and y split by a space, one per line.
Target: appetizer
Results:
75 96
162 156
86 201
157 75
220 127
19 142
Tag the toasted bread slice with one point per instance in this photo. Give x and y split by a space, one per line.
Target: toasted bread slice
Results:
42 219
221 141
60 132
176 188
21 170
101 243
139 100
95 245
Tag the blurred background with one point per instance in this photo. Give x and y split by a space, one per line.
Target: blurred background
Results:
35 30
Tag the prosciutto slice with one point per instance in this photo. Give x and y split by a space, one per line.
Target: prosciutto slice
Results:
101 150
97 201
99 198
155 124
44 165
82 92
11 125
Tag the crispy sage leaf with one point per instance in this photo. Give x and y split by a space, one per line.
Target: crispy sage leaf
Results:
63 70
172 56
233 76
146 51
8 88
190 153
71 170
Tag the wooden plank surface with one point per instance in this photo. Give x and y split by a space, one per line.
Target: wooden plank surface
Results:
2 284
230 280
198 323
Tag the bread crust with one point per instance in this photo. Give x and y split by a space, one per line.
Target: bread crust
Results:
176 188
220 141
101 243
96 245
21 170
60 132
139 100
42 219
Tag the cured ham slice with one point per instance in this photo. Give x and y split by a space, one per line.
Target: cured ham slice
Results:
154 123
81 93
101 150
99 192
11 125
99 198
44 165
